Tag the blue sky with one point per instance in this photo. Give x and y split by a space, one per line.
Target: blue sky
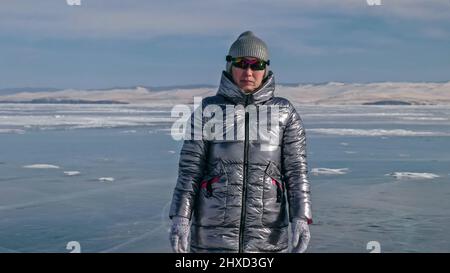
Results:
107 43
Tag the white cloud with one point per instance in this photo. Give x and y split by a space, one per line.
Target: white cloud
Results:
153 18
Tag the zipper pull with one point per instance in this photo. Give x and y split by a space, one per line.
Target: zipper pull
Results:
247 98
279 194
208 189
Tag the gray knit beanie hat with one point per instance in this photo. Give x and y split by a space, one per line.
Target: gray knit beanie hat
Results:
248 45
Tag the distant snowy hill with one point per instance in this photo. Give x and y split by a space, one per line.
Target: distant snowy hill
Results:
333 93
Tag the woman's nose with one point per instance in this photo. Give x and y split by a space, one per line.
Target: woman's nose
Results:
248 71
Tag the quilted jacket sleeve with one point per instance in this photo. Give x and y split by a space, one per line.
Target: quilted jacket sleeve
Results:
295 169
190 172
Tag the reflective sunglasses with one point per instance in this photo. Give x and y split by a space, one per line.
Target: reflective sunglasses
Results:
243 63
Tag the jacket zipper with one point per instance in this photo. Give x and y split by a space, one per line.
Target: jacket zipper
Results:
245 177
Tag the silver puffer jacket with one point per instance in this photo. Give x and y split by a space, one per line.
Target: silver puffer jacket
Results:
241 197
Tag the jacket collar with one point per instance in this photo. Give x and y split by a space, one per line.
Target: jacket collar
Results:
231 91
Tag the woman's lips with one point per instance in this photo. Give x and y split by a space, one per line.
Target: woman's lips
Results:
246 82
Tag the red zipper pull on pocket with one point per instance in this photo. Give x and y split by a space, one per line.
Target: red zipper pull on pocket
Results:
279 189
208 189
208 185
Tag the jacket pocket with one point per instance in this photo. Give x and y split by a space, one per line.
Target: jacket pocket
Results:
274 201
211 200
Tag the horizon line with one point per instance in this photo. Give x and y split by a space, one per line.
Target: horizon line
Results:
199 85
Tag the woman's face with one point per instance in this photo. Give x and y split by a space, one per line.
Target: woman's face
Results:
247 79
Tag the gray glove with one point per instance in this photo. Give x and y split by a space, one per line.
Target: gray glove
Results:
179 234
300 235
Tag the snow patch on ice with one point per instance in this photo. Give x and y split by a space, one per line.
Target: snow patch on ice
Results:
411 175
106 179
12 131
425 118
41 166
129 131
375 132
72 173
328 171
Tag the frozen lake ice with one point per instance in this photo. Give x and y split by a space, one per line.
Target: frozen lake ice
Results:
103 175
